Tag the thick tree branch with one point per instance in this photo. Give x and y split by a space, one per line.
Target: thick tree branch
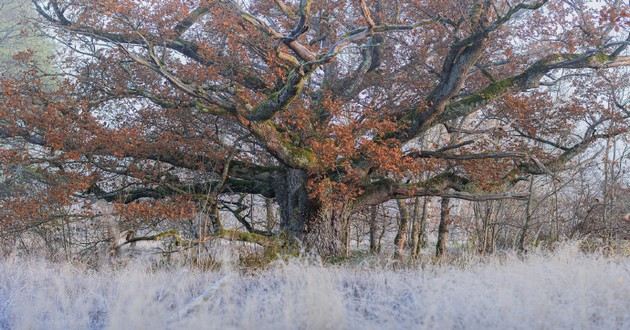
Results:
192 18
445 185
528 79
462 57
187 48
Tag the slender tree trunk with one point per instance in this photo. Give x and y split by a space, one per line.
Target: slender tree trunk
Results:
528 217
373 228
381 235
493 239
419 236
345 235
415 229
487 220
486 235
445 220
270 219
215 217
556 214
609 198
485 211
413 223
358 235
401 237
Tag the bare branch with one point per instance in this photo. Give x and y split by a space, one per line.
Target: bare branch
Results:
365 10
192 17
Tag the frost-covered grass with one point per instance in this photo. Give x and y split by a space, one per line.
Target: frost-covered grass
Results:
566 290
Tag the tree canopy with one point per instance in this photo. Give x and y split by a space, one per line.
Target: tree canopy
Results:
325 106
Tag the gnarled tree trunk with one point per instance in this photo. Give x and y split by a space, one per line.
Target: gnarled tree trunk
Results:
304 219
292 198
325 232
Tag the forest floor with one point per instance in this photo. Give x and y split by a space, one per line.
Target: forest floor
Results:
562 290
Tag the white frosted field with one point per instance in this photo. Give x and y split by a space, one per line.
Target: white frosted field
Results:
566 290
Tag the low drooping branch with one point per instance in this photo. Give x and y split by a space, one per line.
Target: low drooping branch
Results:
237 213
442 185
230 235
161 191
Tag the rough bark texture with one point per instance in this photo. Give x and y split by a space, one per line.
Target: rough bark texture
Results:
443 228
215 217
304 220
292 198
324 234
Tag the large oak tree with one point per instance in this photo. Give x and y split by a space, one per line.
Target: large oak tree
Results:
326 106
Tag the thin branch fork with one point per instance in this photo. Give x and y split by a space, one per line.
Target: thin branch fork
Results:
156 65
